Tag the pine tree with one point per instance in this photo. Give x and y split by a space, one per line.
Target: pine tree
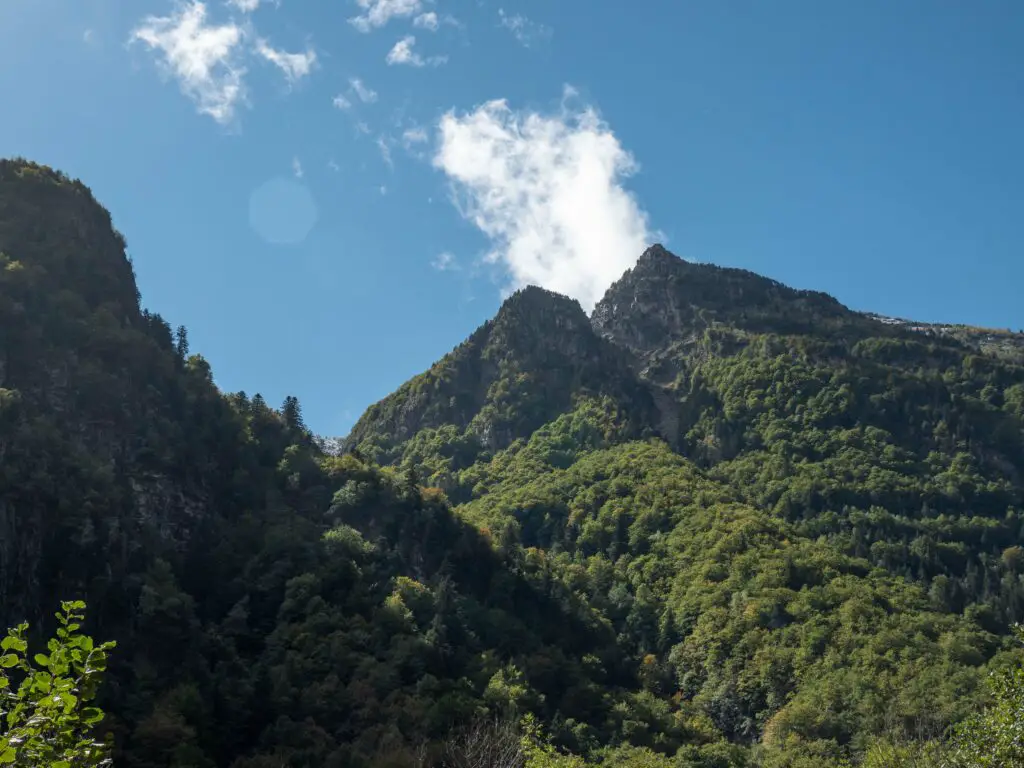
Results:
292 412
181 341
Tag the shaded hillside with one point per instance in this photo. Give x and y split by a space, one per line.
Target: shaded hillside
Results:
270 603
108 432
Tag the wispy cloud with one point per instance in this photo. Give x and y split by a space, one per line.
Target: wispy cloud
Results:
294 65
377 13
415 140
445 262
366 94
245 6
385 151
415 135
432 21
403 53
525 31
204 58
357 89
332 165
297 168
426 21
547 190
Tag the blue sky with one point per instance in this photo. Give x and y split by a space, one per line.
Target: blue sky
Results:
331 195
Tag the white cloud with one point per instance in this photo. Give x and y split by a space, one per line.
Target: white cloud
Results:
365 94
332 164
377 13
341 102
525 31
204 58
445 262
426 21
547 190
245 6
362 127
403 53
414 135
294 65
385 151
297 168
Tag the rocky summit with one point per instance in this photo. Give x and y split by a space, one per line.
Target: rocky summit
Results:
720 522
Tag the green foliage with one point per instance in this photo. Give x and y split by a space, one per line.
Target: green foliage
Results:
995 736
719 523
538 751
46 714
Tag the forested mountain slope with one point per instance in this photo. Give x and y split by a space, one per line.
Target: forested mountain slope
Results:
720 522
829 541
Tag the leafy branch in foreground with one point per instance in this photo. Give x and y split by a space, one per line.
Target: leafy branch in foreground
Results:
995 737
45 717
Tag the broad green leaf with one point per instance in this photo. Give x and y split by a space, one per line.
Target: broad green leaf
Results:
42 682
92 715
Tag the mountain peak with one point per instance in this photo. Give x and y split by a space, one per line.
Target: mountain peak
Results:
534 317
664 301
535 297
657 252
516 372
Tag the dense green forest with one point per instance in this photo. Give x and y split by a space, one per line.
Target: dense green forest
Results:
719 522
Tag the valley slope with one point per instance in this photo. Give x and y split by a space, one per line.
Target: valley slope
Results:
719 522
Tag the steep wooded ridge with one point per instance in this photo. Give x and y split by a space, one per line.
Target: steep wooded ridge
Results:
720 522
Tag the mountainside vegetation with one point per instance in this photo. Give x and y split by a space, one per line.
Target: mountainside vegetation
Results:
719 522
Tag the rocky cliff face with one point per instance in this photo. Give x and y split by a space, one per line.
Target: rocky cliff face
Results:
660 309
